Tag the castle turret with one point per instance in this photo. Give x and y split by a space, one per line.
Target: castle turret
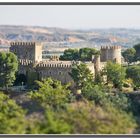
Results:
27 50
112 53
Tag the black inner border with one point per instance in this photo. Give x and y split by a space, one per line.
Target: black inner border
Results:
69 135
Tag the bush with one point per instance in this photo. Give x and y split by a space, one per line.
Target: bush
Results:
12 116
94 92
100 96
120 101
87 118
52 125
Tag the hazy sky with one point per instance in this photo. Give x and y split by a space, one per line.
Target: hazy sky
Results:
85 17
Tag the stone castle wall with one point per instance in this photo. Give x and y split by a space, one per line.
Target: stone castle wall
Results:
56 69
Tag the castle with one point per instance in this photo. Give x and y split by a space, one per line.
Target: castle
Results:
34 68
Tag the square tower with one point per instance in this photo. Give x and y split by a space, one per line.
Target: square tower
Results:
27 50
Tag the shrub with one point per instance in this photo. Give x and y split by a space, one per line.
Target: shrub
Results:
87 118
12 116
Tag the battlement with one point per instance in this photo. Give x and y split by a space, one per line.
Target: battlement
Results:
55 64
24 43
25 62
110 47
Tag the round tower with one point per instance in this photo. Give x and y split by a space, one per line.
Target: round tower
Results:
112 53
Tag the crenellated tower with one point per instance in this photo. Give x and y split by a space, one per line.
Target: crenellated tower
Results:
112 53
27 50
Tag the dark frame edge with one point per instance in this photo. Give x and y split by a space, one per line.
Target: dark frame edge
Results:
69 3
69 136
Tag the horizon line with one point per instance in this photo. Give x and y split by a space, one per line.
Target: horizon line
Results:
71 28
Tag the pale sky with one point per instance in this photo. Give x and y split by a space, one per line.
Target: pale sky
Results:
72 16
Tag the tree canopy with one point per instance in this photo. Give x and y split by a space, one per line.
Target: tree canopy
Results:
115 74
12 116
9 66
133 72
129 55
83 54
81 74
137 48
86 54
51 93
70 54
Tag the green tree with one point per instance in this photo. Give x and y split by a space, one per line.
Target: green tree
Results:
94 93
9 66
115 74
86 54
98 78
70 54
120 101
81 75
137 48
133 72
51 93
12 116
129 55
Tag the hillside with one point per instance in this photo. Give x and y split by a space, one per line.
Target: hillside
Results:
124 37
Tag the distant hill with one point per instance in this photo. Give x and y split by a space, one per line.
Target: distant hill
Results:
42 34
125 37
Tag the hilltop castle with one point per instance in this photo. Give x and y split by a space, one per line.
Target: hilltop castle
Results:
34 68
